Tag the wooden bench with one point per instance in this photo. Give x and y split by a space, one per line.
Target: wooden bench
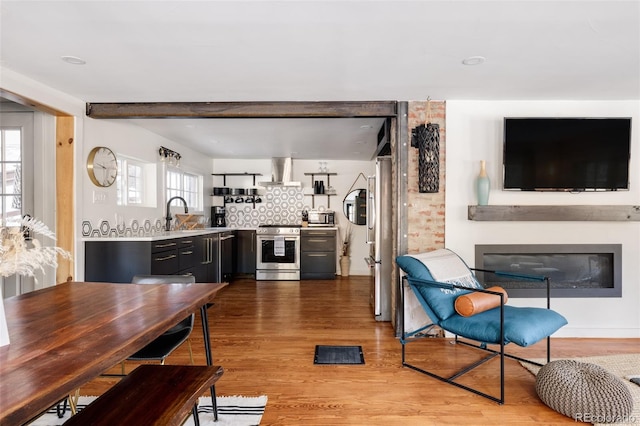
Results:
150 395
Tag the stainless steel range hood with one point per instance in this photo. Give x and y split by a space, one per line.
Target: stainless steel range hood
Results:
281 173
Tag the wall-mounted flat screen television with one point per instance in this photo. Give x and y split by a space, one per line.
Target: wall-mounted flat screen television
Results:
566 154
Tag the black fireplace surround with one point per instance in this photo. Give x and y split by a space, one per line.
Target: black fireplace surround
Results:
574 270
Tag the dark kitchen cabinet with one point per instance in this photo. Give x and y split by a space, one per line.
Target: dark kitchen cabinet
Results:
119 261
164 257
207 250
227 255
317 254
245 251
188 257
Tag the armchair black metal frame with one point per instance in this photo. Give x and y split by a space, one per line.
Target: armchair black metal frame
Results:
492 353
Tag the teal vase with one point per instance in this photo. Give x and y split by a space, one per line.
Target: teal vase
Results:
483 185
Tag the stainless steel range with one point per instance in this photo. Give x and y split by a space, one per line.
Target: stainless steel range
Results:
278 253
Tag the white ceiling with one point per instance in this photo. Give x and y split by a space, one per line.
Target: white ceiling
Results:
198 51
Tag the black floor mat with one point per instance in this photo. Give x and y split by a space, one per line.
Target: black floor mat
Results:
338 355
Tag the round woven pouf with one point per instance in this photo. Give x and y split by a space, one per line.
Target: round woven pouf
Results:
585 392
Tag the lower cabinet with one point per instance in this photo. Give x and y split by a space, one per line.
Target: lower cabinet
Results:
119 261
245 252
317 254
164 257
207 269
227 255
188 257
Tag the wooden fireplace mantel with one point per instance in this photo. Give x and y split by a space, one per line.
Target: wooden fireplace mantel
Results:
613 213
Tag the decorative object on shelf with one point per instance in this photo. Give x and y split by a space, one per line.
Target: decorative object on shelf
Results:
102 166
426 137
23 255
238 195
483 185
316 187
168 154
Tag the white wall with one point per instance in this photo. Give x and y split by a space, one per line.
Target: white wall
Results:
135 142
96 204
474 133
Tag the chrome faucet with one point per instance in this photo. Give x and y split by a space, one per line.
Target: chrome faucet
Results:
169 218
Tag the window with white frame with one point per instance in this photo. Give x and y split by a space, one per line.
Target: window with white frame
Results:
136 183
185 185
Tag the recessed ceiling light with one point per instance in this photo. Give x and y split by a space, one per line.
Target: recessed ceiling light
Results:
365 126
74 60
474 60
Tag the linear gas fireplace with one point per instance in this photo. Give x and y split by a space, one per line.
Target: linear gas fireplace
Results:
575 270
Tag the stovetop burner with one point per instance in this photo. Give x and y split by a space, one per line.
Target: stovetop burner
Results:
270 229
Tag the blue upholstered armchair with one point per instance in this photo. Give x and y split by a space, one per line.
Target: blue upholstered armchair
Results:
441 285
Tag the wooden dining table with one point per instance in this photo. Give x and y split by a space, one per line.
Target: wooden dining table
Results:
64 336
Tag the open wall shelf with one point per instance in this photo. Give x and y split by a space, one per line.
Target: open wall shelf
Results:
224 176
621 213
313 196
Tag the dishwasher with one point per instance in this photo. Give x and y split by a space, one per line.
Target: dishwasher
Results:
226 258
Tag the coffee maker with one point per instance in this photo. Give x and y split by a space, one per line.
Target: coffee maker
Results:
217 217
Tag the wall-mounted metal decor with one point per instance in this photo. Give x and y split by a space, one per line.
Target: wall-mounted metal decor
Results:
426 137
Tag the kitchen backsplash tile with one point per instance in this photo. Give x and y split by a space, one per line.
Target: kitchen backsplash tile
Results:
135 228
280 205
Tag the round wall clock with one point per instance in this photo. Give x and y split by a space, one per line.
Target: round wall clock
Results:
102 166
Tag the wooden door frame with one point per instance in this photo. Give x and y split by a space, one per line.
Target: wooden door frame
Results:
65 210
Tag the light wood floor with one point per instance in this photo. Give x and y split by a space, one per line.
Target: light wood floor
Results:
264 335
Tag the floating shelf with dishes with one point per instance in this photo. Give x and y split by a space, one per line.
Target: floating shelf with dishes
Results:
328 190
237 195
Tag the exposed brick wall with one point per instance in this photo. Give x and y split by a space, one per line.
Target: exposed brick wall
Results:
426 217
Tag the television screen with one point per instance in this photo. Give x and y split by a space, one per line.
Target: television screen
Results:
566 154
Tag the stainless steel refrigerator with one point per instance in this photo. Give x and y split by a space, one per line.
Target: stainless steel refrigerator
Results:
380 238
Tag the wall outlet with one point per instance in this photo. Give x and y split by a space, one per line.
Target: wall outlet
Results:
100 197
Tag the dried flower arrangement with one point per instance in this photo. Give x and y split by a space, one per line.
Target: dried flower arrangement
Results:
346 236
19 255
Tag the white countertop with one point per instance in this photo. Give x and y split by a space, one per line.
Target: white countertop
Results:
322 227
166 235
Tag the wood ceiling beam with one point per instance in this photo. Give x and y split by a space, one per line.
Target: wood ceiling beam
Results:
242 109
19 99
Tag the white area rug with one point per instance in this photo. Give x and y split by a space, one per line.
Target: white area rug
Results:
619 365
232 411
